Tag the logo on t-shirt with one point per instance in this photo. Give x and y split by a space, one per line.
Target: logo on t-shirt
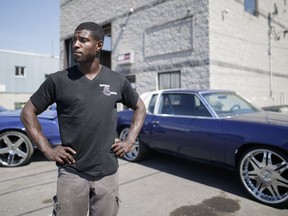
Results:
106 90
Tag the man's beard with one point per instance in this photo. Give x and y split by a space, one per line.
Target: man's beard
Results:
87 58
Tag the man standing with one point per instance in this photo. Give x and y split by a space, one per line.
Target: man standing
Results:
86 96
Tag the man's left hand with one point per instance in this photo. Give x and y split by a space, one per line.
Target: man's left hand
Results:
120 148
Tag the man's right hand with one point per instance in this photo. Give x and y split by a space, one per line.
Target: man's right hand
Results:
60 154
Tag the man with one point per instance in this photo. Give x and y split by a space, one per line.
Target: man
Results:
86 95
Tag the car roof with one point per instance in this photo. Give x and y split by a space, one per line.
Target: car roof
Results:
47 114
199 91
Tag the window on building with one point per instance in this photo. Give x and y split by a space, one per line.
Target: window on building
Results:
251 6
132 80
169 80
107 38
69 53
20 71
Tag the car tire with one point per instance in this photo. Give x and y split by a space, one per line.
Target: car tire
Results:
138 150
264 175
16 149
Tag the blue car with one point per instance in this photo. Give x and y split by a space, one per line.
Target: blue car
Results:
16 149
220 128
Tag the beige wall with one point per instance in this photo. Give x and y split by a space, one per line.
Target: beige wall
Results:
239 50
9 100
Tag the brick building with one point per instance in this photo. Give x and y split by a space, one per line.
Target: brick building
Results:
219 44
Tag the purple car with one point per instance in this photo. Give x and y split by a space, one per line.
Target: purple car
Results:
16 148
219 128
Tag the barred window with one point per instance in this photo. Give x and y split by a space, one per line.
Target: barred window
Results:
169 80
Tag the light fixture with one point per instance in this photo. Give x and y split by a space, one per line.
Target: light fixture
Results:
225 11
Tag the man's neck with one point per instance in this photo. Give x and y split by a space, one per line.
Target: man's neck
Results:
90 70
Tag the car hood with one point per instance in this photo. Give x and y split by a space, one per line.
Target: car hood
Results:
48 114
263 117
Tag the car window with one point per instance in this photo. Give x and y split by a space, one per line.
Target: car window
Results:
225 104
183 104
152 103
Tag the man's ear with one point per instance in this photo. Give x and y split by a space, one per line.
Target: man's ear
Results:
99 45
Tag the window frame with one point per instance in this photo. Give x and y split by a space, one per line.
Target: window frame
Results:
171 104
251 7
20 71
169 86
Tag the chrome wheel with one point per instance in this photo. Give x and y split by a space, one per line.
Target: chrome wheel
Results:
137 151
15 149
264 173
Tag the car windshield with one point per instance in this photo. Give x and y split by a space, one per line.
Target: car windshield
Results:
2 108
228 103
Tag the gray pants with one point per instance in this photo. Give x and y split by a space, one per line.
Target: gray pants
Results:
80 195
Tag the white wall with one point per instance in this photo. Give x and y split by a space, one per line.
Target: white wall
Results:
239 50
192 36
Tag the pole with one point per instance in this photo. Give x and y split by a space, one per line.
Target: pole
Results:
269 54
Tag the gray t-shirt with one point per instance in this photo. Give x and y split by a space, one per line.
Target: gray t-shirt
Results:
87 114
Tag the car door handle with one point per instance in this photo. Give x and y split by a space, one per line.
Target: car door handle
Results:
155 122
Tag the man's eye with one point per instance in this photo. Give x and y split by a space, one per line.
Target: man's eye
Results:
83 40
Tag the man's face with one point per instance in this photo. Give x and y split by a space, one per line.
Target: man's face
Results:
85 47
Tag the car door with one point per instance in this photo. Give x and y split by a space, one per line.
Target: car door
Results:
184 126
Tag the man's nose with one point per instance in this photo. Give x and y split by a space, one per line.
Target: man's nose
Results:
76 43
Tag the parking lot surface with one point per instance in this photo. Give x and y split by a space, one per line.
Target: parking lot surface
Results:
158 186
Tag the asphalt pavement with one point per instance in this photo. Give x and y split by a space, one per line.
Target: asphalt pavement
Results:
158 186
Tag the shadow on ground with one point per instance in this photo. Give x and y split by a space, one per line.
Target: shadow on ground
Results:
224 179
217 177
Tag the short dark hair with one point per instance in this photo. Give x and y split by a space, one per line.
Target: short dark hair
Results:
96 30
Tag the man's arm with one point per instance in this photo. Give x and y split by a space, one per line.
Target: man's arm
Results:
32 125
121 148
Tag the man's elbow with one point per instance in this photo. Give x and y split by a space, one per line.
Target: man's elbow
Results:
140 106
23 115
27 112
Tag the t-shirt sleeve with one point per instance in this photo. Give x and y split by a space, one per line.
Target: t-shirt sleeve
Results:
45 95
129 95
